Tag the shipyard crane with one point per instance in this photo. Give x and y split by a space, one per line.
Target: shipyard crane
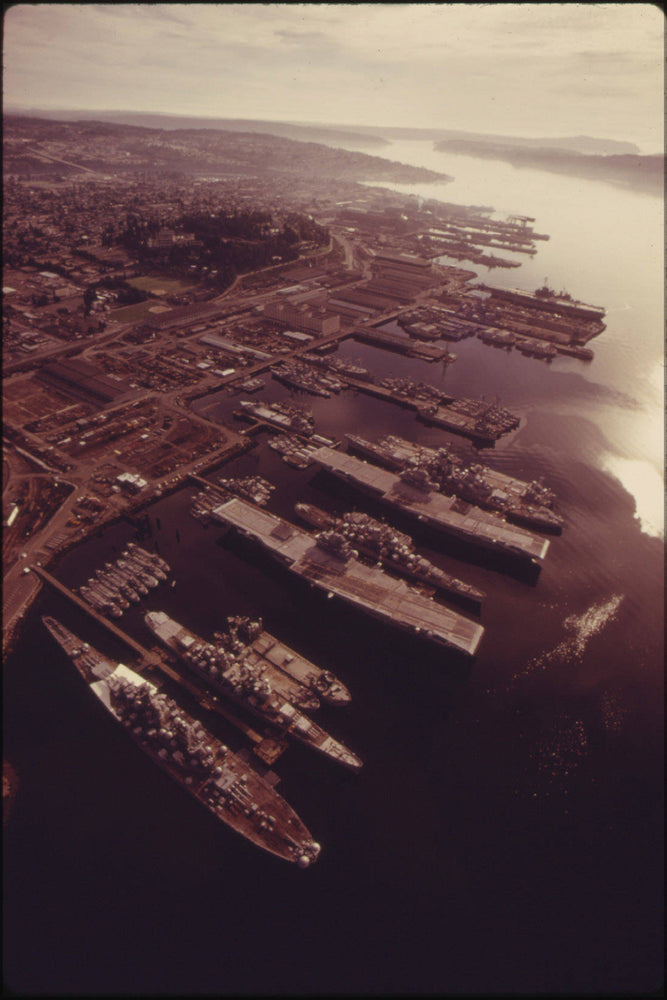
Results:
520 219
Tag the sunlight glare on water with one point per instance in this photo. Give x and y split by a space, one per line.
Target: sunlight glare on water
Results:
648 489
582 628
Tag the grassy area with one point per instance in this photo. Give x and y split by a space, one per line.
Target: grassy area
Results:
157 285
130 314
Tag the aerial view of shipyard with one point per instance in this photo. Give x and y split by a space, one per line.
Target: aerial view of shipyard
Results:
333 499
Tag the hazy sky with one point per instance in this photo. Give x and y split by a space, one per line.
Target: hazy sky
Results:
530 69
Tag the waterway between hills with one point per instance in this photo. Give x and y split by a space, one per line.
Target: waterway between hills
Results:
505 833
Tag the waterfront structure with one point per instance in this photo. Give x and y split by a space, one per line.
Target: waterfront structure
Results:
303 317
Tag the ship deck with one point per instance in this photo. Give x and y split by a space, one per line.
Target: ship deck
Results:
364 586
467 522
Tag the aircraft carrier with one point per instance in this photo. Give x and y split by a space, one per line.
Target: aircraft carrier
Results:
192 756
519 501
414 494
329 563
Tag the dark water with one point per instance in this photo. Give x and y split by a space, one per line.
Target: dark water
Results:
505 834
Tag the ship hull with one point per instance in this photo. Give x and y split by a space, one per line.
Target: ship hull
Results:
455 518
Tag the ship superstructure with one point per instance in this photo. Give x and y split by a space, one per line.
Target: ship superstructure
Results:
220 779
234 675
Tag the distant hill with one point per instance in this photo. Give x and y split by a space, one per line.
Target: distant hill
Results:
34 145
643 173
347 135
289 130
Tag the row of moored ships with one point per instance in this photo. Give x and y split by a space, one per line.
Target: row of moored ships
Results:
111 590
441 469
219 778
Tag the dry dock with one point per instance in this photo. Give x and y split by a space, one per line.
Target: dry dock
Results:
447 514
365 587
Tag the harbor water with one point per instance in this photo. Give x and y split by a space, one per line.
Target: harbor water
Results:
505 833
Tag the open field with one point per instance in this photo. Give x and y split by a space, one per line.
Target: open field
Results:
132 314
159 286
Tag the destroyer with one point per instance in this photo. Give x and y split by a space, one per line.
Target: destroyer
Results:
391 548
199 762
237 678
299 376
329 563
253 488
519 501
287 416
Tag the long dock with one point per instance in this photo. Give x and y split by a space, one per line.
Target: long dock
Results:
365 587
444 415
392 342
148 658
266 747
447 514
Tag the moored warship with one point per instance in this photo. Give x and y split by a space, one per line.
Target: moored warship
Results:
192 756
391 548
547 299
292 450
341 366
235 676
414 494
519 501
299 376
110 590
329 563
254 488
285 415
261 644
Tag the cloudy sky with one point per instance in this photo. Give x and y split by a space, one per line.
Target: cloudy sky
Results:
525 69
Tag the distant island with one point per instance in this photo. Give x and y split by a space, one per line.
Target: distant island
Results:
573 143
37 145
631 170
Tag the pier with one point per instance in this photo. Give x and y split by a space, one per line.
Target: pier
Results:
482 424
393 342
267 747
